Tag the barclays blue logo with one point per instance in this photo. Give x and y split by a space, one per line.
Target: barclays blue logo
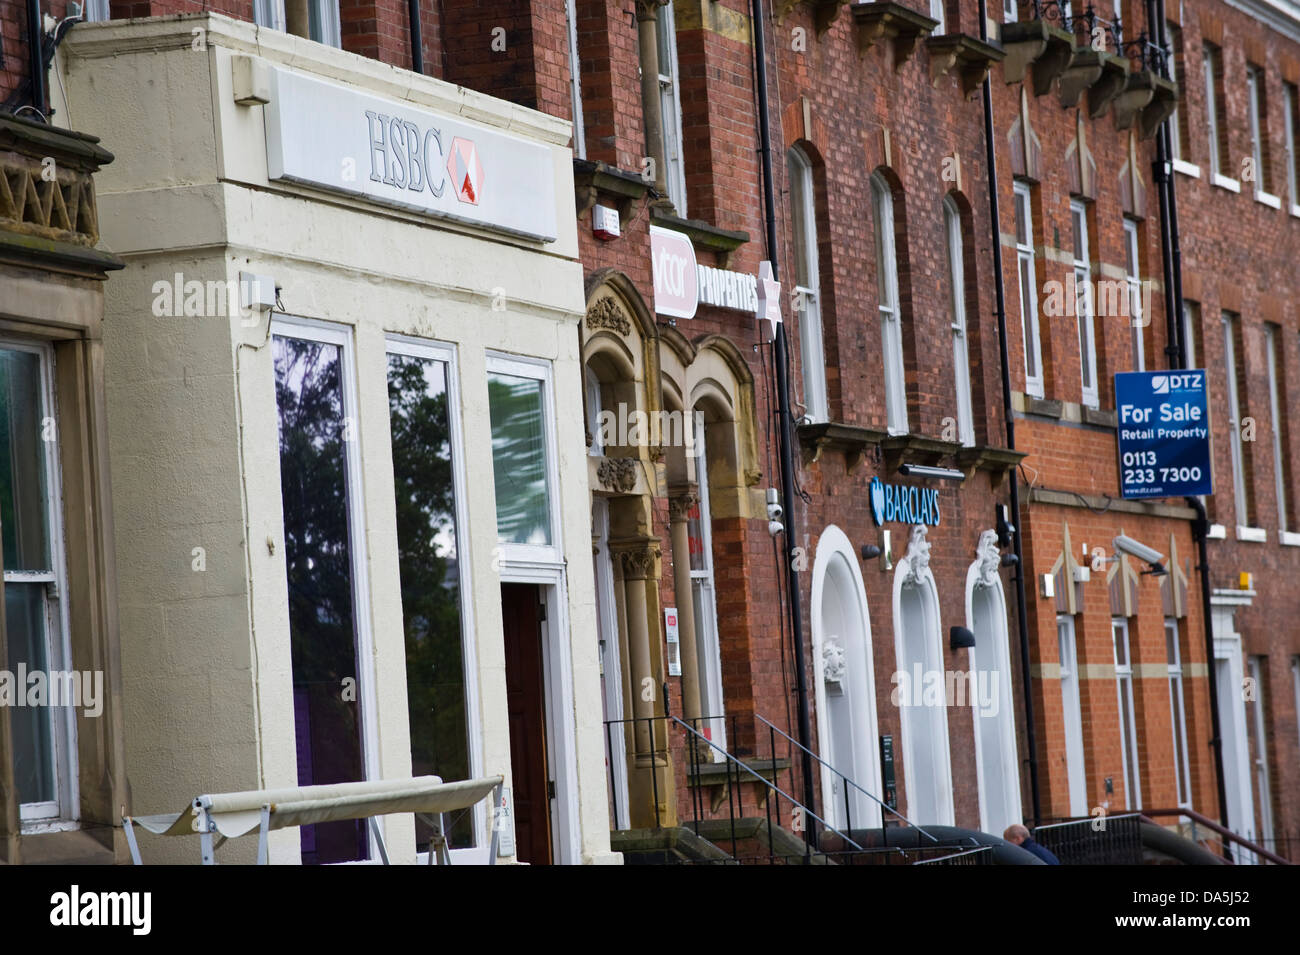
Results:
910 505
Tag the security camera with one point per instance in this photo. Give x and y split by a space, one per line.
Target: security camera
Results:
775 527
1148 555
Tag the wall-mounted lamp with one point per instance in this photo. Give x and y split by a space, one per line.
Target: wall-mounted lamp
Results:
1010 560
871 551
960 638
1004 528
924 470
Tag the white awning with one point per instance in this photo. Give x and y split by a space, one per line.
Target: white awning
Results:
234 814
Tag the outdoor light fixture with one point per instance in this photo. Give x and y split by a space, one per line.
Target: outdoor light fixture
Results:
960 638
871 551
924 470
1010 560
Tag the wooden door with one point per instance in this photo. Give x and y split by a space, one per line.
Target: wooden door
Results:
525 703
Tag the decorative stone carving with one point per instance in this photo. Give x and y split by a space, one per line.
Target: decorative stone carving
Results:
617 474
679 506
989 557
918 555
639 564
605 313
833 662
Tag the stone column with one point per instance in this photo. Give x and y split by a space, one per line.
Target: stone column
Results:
679 508
650 773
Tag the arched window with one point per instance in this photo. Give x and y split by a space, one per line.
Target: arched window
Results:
882 202
808 285
960 347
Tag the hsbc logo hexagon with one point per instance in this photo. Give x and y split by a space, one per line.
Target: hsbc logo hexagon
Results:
465 170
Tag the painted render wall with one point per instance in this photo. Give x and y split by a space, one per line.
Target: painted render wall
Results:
193 422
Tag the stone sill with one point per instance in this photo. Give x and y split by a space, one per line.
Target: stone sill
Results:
594 180
1042 495
1187 168
703 235
1223 182
850 439
1217 532
1288 538
1252 535
1268 199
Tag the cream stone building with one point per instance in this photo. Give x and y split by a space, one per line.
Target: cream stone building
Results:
344 402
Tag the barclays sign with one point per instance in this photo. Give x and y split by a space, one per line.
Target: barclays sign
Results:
909 505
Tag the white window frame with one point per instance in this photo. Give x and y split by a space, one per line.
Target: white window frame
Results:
58 630
270 13
1083 306
960 347
1234 420
1189 329
1212 117
707 636
891 331
595 405
538 369
1175 131
1258 130
1275 409
575 80
670 109
1072 715
329 333
1133 277
1010 13
1025 260
937 13
811 335
1178 716
1119 629
95 11
1262 782
428 350
1291 102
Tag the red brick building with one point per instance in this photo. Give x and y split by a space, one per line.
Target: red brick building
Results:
890 296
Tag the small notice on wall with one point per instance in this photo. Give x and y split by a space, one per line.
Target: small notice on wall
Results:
674 642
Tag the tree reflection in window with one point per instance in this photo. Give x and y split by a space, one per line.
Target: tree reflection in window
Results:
519 459
430 578
318 558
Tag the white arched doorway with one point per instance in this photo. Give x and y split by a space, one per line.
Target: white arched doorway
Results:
922 708
845 683
997 768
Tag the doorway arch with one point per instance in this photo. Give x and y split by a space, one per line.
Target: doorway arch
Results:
996 765
923 717
845 683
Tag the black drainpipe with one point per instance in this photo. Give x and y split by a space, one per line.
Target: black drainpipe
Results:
417 41
35 62
783 411
1172 260
1031 736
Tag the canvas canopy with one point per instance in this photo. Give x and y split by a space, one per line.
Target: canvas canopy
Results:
235 814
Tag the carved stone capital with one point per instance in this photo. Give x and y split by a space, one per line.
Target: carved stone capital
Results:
648 9
640 563
681 502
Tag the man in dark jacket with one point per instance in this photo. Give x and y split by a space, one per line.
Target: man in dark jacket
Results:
1018 835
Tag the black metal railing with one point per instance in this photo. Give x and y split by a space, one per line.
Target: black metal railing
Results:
846 786
1092 29
701 751
1109 840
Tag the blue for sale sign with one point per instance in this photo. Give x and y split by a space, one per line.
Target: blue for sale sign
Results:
1164 433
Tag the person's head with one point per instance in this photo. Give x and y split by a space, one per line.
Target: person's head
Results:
1016 834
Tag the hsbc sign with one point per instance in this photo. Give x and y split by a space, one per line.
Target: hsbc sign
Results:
339 139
